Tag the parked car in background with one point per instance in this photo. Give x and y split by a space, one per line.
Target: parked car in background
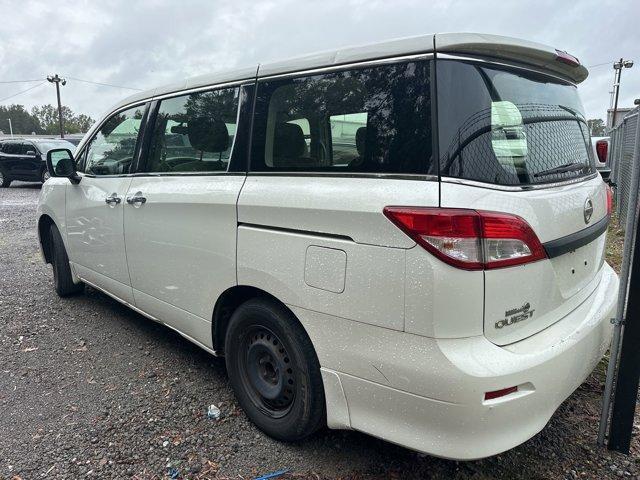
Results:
24 159
444 290
600 147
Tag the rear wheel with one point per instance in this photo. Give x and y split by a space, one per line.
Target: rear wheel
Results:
5 181
44 176
274 370
62 277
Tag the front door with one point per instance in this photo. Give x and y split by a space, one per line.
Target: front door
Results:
30 164
94 207
180 213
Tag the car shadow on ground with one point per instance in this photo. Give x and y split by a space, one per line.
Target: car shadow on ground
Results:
175 348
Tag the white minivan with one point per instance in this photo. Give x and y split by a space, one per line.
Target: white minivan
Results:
405 239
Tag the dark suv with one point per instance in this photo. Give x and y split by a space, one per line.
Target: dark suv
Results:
25 159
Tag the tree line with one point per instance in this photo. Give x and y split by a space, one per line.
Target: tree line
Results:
42 120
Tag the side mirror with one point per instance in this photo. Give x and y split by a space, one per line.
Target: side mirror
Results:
60 163
31 153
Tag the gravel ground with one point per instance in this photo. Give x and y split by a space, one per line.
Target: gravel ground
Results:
89 388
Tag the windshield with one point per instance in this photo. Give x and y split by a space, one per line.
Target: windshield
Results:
44 147
508 126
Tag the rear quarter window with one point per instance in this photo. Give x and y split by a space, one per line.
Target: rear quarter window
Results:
509 126
367 120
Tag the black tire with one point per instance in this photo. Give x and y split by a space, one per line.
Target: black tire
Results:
274 370
62 277
44 175
5 181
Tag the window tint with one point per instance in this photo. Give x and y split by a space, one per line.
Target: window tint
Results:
111 150
11 148
370 120
26 147
194 133
508 126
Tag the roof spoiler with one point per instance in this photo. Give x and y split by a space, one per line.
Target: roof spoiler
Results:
513 49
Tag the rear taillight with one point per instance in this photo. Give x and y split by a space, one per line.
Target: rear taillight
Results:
609 200
469 239
602 148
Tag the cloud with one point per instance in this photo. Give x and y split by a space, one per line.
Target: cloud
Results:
143 44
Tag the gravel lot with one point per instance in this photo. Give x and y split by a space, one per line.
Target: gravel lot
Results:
89 388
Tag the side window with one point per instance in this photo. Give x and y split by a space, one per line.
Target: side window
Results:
26 147
11 148
194 133
369 120
111 150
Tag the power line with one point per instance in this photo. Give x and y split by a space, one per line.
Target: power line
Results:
23 91
103 84
77 80
20 81
600 64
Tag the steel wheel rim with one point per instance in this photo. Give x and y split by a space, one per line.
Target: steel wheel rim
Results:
267 371
46 176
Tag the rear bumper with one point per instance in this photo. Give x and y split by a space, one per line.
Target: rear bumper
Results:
428 394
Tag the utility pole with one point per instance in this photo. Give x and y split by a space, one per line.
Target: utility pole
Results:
10 127
58 80
618 66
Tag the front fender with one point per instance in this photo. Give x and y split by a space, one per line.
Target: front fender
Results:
52 204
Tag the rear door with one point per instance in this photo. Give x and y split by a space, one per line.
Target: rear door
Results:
180 210
516 141
11 158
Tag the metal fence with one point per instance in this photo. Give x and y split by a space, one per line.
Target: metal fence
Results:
623 158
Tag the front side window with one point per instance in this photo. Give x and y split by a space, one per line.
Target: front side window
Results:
112 149
369 120
27 149
194 133
509 127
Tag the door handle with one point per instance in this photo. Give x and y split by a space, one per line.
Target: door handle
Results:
137 199
112 200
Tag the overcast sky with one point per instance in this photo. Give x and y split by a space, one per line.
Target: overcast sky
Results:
146 43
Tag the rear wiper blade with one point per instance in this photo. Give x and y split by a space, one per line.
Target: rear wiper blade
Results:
567 167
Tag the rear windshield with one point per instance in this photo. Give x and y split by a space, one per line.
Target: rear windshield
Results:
508 126
44 147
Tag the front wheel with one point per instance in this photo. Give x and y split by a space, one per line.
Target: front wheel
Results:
62 277
274 370
45 175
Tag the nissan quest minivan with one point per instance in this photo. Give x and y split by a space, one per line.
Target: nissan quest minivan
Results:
405 239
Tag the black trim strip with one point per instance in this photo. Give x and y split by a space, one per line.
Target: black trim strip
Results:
572 242
296 231
222 173
330 174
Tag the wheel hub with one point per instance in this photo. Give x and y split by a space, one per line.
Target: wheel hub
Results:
269 371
